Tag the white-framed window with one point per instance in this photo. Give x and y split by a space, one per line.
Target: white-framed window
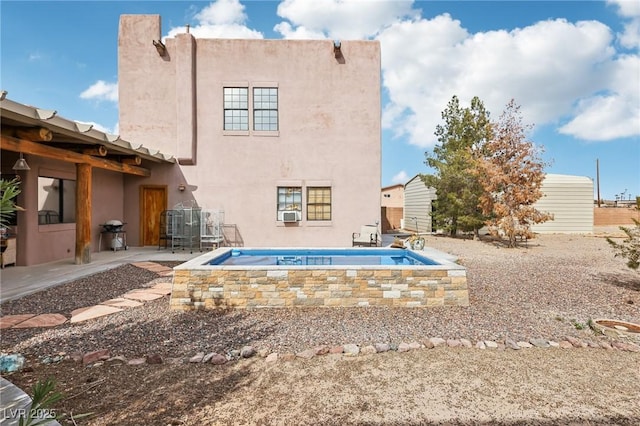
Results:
236 108
289 200
265 109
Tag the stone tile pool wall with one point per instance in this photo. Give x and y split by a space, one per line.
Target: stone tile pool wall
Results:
199 286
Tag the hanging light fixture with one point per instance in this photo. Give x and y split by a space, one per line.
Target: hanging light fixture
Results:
21 164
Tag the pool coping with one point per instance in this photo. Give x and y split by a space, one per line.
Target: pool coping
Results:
200 263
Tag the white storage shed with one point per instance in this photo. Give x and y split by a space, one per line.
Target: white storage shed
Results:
570 200
418 199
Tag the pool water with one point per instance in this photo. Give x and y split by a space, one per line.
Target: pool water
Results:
302 257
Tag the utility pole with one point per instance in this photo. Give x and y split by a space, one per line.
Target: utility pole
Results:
598 179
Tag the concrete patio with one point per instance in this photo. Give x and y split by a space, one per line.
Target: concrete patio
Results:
18 281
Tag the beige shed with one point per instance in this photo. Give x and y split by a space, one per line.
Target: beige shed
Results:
570 200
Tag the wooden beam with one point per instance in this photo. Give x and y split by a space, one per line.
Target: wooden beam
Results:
136 160
40 134
100 151
28 147
83 214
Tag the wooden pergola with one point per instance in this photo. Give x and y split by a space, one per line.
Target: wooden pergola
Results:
29 130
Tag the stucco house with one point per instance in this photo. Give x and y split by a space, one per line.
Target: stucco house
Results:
284 136
392 203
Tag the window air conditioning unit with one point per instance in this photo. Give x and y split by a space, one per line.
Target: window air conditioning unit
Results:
290 216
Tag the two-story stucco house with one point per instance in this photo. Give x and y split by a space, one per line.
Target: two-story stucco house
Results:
282 135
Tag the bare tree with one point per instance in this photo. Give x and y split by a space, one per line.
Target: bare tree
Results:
511 172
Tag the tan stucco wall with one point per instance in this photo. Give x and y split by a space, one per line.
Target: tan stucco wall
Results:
46 243
329 127
395 196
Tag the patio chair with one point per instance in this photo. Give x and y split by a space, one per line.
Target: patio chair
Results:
368 236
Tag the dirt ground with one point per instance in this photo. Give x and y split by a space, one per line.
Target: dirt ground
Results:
444 385
429 386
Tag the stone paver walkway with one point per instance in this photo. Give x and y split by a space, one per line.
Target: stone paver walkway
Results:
131 299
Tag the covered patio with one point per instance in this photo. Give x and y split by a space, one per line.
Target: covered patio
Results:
73 167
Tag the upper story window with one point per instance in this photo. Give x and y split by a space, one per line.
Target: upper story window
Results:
236 108
265 108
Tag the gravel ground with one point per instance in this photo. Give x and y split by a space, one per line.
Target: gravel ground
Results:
550 289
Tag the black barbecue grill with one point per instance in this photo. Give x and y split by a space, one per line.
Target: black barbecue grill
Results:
112 226
118 235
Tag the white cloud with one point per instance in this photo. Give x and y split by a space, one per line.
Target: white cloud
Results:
97 126
340 19
220 19
615 114
102 91
546 77
299 33
629 9
35 56
222 12
400 177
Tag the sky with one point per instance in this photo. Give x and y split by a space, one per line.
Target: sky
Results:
572 66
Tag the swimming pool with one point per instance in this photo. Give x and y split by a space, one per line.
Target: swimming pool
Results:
325 256
305 277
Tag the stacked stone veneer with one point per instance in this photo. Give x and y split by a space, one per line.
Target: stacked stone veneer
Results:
216 287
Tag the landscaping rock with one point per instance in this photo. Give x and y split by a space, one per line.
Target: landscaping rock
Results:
428 344
336 350
94 356
539 343
272 357
368 350
351 349
453 343
154 359
115 359
526 345
511 345
415 345
481 345
11 363
382 347
263 353
308 354
576 343
437 341
466 343
606 345
207 357
404 347
218 359
137 361
288 357
632 347
197 357
565 344
76 356
247 352
322 350
490 344
553 344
